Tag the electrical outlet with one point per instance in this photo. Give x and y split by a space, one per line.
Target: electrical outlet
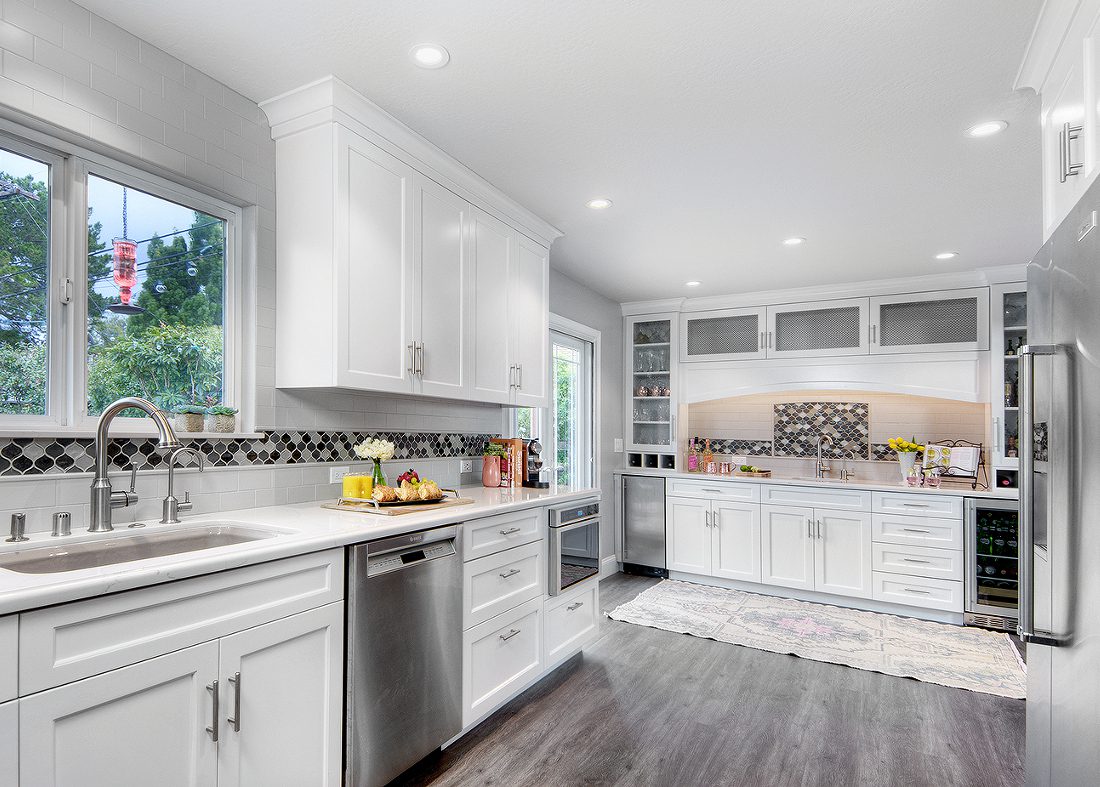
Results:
467 466
618 445
336 474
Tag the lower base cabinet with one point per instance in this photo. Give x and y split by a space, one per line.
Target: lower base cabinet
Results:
259 707
817 549
571 621
499 657
9 742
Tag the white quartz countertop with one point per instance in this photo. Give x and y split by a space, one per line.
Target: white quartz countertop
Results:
302 528
955 489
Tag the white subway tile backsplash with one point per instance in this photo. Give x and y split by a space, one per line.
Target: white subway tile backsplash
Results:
71 15
161 61
22 14
62 61
32 74
112 37
230 501
61 114
105 80
155 104
16 95
17 40
91 101
129 68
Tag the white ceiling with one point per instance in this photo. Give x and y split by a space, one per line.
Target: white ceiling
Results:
718 128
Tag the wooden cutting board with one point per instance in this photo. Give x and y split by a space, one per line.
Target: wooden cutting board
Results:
422 508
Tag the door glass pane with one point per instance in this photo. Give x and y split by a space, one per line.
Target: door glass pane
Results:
928 322
24 284
156 294
570 443
738 333
818 329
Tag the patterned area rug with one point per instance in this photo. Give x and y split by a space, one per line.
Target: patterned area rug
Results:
961 657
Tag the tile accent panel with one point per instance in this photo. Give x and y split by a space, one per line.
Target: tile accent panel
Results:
27 456
797 426
730 447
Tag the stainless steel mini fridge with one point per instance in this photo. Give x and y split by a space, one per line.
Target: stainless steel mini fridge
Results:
643 525
992 573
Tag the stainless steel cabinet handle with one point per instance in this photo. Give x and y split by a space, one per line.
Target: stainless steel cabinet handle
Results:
510 531
817 528
706 516
509 635
915 530
915 560
213 728
575 606
506 574
1065 151
809 528
419 358
874 334
519 375
997 435
716 517
1026 628
915 590
412 363
235 719
915 505
769 340
761 345
715 491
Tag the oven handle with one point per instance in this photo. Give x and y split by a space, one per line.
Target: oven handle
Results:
575 525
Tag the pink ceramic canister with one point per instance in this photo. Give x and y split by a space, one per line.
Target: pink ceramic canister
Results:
490 471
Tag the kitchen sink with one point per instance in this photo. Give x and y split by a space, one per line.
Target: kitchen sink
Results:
125 549
817 480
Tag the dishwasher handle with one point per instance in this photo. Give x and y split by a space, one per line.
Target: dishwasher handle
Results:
406 540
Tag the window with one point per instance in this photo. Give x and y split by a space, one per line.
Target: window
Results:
566 429
157 313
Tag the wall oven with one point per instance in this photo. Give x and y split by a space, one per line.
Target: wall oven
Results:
574 544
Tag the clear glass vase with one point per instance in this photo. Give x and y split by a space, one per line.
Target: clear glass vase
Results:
377 475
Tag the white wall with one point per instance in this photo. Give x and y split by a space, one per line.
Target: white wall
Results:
70 73
577 302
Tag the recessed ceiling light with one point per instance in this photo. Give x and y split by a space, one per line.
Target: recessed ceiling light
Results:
430 55
600 203
947 255
794 241
692 283
987 129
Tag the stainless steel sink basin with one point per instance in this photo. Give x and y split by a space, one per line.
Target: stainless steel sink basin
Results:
818 480
125 549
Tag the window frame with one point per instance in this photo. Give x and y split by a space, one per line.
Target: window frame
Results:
67 407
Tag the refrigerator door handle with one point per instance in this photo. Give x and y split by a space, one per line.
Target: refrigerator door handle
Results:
1026 628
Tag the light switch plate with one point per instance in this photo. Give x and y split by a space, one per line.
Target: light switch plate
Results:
336 474
618 445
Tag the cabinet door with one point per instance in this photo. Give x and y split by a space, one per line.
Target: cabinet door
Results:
531 316
649 347
499 658
1063 111
138 725
930 321
842 553
728 335
492 255
688 529
787 546
442 289
1007 331
375 262
283 701
9 743
823 328
735 541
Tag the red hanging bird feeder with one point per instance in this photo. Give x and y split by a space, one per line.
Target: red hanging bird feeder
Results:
125 276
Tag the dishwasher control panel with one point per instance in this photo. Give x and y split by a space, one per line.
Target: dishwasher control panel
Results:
410 556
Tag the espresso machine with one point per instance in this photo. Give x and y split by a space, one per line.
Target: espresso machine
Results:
532 470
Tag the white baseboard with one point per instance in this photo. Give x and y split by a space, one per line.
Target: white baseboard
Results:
609 566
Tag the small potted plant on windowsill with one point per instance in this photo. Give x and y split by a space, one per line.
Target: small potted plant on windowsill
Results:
221 418
189 417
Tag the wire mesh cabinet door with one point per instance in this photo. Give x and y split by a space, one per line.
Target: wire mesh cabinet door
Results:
819 328
726 335
931 321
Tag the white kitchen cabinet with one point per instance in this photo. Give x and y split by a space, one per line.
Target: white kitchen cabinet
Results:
442 292
150 723
282 696
652 395
689 539
1065 131
1008 331
735 541
815 329
724 335
500 657
495 583
9 743
9 657
842 553
572 620
787 546
492 250
530 313
930 321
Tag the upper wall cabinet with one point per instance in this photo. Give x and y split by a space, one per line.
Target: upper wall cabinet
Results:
398 269
727 335
1062 64
949 320
817 329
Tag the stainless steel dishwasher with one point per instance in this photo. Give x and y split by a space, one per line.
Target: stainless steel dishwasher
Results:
404 676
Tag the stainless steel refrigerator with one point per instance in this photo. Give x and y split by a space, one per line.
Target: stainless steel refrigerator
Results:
643 525
1060 502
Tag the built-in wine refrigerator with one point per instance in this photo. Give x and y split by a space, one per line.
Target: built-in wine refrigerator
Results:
992 575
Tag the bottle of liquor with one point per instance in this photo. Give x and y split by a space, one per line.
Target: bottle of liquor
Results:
708 455
693 458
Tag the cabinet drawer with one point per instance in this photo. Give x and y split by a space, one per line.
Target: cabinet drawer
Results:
836 499
743 491
9 657
72 641
917 504
496 533
499 658
917 591
917 530
917 561
571 622
496 583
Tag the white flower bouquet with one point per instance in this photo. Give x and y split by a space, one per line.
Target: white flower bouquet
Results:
375 448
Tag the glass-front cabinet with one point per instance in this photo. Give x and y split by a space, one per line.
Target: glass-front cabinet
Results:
651 344
930 321
816 329
726 335
1008 333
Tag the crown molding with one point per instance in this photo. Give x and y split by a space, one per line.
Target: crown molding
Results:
652 307
1052 29
331 100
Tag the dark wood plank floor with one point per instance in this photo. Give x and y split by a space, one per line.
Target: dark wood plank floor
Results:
649 707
